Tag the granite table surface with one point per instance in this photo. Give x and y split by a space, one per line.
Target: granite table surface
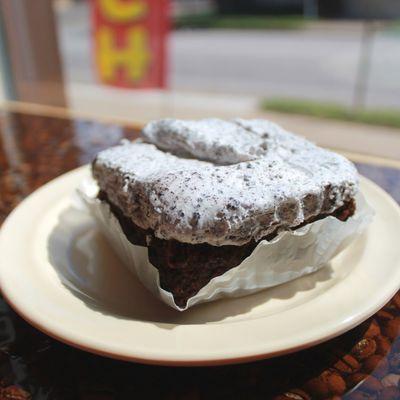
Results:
363 363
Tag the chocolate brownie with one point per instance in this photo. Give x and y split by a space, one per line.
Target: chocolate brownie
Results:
184 267
201 194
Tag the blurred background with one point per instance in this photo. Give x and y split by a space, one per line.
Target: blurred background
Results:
329 70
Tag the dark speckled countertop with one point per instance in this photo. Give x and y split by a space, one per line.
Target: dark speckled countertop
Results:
361 364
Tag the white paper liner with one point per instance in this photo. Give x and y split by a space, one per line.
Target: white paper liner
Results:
288 256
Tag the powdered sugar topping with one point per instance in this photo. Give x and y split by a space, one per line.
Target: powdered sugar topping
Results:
222 182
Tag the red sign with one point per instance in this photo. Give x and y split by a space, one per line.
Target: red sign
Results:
130 42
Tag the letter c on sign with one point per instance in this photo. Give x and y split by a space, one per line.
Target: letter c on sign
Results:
123 11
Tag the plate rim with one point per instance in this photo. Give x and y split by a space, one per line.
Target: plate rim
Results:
229 359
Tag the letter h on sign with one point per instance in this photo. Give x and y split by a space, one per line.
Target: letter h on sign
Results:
130 42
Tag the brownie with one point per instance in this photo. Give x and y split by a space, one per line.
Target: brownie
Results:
201 194
185 268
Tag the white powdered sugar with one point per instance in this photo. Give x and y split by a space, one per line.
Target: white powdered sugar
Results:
222 142
222 182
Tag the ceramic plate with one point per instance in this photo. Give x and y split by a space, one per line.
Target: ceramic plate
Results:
64 279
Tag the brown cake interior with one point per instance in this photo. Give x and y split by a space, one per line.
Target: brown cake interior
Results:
185 268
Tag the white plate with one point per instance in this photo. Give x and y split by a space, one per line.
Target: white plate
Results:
101 308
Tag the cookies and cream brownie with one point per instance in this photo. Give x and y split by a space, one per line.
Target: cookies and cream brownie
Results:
201 194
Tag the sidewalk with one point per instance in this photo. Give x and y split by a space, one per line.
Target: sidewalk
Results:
141 106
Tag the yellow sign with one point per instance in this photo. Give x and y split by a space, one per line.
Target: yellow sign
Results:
130 36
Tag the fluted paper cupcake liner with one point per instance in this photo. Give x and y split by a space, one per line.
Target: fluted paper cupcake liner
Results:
288 256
